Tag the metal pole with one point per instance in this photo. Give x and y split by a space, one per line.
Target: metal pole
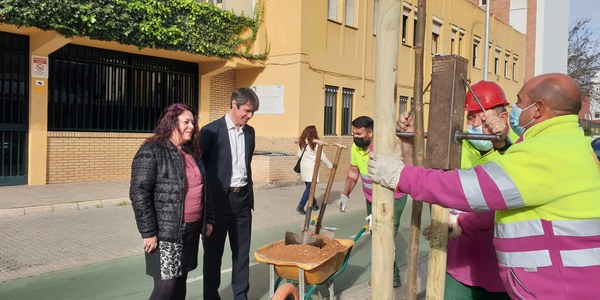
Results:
486 49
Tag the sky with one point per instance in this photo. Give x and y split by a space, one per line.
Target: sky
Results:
586 9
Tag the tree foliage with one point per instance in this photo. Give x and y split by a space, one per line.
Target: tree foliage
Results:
185 25
584 56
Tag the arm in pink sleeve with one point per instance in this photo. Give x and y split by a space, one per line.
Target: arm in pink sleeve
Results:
445 188
433 186
476 222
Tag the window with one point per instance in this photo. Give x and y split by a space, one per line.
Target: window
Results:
435 35
403 104
330 105
332 10
497 61
347 96
514 68
405 14
506 59
461 37
415 32
375 16
453 37
482 2
349 13
597 115
476 41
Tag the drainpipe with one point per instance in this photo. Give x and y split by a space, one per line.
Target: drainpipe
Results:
487 40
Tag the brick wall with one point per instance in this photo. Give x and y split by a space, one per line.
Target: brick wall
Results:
91 156
221 86
274 169
279 168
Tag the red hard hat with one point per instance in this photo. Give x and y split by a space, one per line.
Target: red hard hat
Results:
490 95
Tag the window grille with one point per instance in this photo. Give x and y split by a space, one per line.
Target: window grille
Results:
347 97
330 106
93 89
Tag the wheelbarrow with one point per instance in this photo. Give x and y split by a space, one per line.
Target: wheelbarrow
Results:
312 274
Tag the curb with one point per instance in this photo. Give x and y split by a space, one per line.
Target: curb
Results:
49 208
101 203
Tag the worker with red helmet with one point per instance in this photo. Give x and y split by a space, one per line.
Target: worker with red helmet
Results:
544 189
471 266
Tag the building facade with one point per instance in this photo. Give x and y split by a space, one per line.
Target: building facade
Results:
96 104
545 24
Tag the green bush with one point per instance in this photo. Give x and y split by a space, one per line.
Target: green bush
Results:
185 25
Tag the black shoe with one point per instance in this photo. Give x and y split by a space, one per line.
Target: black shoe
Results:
315 207
300 210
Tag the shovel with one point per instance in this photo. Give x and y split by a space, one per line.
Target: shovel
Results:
304 237
325 200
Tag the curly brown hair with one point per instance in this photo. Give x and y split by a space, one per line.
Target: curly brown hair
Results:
168 121
308 134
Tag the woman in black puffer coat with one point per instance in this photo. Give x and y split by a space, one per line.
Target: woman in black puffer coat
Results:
170 200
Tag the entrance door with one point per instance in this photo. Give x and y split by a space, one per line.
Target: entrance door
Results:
14 97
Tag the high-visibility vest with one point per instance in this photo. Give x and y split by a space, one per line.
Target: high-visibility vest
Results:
547 238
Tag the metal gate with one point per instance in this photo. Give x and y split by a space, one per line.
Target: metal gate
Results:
14 98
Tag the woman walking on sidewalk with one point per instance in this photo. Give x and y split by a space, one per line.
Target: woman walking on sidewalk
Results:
307 149
170 201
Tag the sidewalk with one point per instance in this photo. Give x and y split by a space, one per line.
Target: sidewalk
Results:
41 231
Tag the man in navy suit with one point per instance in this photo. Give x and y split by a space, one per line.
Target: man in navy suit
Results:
227 146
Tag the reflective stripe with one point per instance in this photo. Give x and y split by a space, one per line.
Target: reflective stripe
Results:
472 190
508 189
366 181
518 229
589 227
525 259
581 258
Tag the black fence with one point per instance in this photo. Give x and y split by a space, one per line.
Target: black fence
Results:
93 89
14 98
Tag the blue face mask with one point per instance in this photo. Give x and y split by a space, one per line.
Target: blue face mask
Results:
513 119
479 144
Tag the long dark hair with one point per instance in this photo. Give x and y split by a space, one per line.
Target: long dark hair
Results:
169 120
308 134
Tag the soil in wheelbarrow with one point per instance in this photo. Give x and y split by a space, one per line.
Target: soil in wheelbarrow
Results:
304 253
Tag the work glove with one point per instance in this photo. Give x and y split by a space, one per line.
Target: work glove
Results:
494 124
341 203
385 170
454 229
369 220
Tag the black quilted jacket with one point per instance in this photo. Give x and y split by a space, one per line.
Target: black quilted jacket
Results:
157 192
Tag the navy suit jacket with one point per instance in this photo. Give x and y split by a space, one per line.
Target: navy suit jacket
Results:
216 155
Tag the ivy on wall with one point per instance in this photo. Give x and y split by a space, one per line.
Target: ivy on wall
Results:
185 25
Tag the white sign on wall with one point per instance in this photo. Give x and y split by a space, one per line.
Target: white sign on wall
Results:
39 66
271 99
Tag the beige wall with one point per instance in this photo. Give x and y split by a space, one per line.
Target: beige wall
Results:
307 52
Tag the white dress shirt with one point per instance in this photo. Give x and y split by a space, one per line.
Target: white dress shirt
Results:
237 144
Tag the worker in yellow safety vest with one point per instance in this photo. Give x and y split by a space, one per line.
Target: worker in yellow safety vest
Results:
545 190
471 266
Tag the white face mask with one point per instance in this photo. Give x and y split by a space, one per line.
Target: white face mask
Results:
514 116
479 144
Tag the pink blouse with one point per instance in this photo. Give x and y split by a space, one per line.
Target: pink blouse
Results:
192 207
